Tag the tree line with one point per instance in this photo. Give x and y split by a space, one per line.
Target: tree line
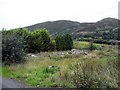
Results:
16 43
103 36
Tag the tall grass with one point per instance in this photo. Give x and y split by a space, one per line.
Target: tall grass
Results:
94 74
96 69
85 45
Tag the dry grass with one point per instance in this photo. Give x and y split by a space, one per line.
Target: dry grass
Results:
99 67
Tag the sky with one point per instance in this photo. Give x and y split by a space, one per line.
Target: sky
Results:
20 13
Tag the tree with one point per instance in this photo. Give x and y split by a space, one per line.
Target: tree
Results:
24 33
12 47
92 46
68 42
118 34
64 42
52 45
30 43
41 40
58 43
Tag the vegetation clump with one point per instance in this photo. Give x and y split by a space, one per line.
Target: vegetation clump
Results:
92 46
51 61
19 41
64 42
13 48
52 69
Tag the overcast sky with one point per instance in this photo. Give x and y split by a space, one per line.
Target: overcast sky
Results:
20 13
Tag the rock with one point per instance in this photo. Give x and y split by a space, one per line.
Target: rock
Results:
73 50
50 67
69 52
32 55
77 52
85 53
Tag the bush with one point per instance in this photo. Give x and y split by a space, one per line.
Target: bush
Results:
64 42
52 45
25 34
68 42
59 43
12 47
92 74
51 69
40 40
92 46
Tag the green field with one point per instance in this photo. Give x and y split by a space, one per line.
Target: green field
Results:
84 45
97 68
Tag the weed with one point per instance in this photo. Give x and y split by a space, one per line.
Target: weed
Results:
51 69
99 68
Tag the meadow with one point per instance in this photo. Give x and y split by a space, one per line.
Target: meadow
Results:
96 69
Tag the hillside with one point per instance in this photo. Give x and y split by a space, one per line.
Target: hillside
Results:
60 26
107 23
66 25
77 29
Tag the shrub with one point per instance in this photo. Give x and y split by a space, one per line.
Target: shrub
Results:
51 69
59 43
82 78
25 34
92 74
41 40
92 46
52 45
68 42
12 47
64 42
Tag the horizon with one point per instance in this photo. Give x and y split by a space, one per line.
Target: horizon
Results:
59 20
18 14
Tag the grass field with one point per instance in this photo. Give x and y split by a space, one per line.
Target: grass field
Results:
96 69
85 45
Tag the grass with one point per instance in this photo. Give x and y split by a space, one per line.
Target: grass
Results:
33 72
85 45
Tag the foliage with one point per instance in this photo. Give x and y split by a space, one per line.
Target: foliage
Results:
51 69
68 42
99 67
24 33
92 46
102 36
52 45
12 47
59 43
41 40
85 45
88 74
64 42
18 41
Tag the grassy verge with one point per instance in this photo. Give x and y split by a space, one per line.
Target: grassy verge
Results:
69 70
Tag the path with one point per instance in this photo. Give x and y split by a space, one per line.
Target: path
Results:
10 83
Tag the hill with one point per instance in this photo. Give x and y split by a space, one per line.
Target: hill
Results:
77 29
